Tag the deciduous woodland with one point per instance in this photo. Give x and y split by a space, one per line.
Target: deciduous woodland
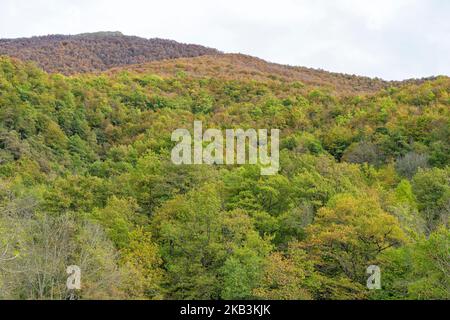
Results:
86 179
96 51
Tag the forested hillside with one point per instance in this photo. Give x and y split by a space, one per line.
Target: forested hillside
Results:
86 179
95 51
100 51
243 67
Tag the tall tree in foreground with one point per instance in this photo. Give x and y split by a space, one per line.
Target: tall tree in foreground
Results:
346 237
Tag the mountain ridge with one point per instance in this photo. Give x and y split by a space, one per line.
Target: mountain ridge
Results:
236 66
88 52
111 51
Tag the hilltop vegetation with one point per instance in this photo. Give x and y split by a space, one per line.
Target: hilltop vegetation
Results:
86 179
100 51
95 51
243 67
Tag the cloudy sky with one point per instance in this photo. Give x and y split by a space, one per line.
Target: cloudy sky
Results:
391 39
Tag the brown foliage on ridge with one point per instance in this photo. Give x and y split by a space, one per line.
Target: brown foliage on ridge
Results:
244 67
113 51
95 51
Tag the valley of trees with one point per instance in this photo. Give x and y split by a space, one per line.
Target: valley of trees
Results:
86 179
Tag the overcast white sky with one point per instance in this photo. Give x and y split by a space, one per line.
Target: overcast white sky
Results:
391 39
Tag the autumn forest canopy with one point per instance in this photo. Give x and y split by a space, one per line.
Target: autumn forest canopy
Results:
86 179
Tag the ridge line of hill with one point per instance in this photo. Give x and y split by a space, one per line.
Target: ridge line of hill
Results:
236 66
111 52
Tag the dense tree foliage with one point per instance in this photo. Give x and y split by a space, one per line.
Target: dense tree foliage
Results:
99 51
96 51
86 179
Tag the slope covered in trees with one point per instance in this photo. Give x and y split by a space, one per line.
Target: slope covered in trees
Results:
243 67
95 51
86 179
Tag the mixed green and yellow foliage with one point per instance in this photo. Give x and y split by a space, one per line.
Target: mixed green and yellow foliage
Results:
86 179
